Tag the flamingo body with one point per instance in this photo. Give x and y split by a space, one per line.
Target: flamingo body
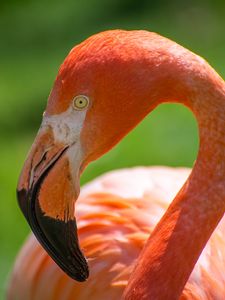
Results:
116 213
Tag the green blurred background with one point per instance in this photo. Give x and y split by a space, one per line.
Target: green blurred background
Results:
35 38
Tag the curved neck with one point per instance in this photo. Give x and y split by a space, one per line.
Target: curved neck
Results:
176 243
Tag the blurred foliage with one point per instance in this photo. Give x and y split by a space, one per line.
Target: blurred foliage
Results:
35 38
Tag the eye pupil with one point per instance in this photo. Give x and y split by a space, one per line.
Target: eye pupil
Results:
80 102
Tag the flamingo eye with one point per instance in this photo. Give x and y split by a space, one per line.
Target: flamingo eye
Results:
80 102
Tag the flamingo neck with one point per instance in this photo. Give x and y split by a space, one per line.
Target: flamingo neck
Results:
175 245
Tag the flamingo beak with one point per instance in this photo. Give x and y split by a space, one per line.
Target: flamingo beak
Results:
47 190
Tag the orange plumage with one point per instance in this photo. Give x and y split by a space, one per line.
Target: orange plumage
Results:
116 213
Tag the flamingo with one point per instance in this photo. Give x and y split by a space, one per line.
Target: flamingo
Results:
142 236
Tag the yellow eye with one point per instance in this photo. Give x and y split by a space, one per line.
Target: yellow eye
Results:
80 102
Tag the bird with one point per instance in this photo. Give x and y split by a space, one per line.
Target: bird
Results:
135 242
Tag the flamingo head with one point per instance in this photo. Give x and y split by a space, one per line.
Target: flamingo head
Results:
103 89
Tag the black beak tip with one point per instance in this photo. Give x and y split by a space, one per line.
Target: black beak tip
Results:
61 242
80 275
75 265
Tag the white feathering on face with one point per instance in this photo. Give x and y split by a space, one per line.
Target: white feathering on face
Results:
66 129
66 126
